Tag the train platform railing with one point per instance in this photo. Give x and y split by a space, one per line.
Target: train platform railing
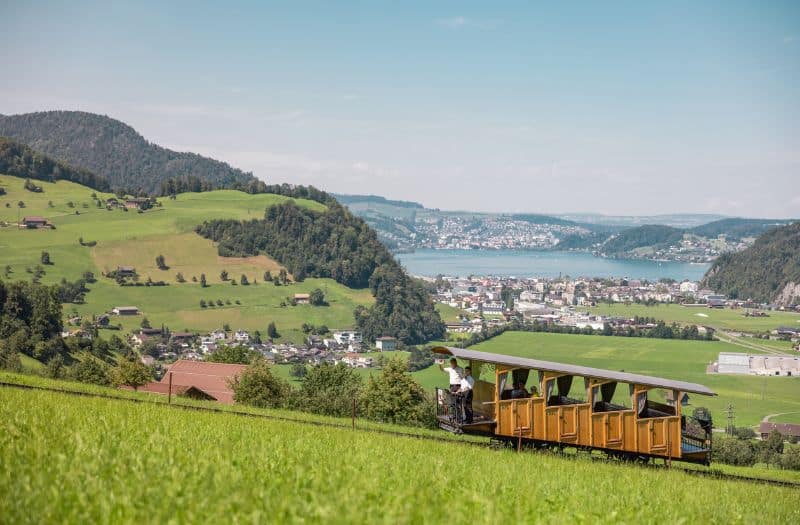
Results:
449 407
696 434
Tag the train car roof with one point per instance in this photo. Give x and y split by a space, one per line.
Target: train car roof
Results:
584 371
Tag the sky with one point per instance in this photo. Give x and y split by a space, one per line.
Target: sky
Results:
620 108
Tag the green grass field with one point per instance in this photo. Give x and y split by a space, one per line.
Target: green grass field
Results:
718 318
681 360
88 460
135 239
791 417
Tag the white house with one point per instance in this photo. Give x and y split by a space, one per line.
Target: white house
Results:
344 337
386 344
241 336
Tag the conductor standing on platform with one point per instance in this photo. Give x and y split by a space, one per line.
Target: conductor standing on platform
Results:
456 374
465 394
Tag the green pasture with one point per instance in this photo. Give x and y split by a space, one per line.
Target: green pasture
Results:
128 238
791 417
119 462
449 314
752 397
724 318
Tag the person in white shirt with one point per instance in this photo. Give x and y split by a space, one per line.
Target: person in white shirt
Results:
465 394
456 374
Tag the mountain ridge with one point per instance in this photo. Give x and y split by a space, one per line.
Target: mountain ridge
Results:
114 150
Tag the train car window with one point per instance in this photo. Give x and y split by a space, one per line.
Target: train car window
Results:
608 398
655 403
502 383
561 392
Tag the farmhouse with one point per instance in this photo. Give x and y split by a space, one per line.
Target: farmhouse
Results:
302 298
199 379
34 221
125 310
386 344
137 203
125 271
785 429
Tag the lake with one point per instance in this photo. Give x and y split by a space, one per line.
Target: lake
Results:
521 263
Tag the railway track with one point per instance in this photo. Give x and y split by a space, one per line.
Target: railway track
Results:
692 472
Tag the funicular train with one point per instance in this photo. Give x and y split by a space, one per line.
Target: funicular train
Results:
576 406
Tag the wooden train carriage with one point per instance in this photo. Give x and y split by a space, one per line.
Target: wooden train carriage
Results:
543 402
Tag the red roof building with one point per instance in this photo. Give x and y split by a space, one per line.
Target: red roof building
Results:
198 379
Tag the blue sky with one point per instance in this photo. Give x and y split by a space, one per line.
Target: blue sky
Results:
609 107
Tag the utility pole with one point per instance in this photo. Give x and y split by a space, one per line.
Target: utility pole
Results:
731 419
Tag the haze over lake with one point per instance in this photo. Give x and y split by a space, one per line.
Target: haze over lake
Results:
523 263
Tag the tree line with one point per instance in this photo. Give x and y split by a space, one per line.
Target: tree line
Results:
21 161
393 396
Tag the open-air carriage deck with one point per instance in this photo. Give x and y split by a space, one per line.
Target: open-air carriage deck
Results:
568 405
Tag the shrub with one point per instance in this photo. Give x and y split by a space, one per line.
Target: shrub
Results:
396 397
734 451
257 386
91 370
329 389
131 372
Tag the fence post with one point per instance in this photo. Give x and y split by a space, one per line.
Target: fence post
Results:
354 413
169 395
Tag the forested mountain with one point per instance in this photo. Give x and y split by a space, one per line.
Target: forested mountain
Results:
651 235
737 228
21 161
338 245
113 150
767 271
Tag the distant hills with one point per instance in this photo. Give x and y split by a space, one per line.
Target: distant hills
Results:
768 271
404 225
113 150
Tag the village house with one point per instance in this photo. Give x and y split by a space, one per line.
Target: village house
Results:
198 379
182 338
241 336
34 221
302 298
144 335
344 337
354 360
125 271
137 203
785 429
386 344
125 310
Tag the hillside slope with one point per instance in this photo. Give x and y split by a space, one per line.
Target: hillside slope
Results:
113 150
651 235
119 459
765 272
118 238
737 228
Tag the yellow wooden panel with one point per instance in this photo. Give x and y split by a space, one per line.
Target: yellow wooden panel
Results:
538 418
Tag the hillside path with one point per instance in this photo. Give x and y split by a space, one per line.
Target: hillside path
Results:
728 338
766 418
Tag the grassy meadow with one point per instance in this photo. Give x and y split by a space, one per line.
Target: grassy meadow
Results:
752 397
128 238
718 318
119 462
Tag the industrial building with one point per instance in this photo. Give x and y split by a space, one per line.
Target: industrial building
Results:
762 365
